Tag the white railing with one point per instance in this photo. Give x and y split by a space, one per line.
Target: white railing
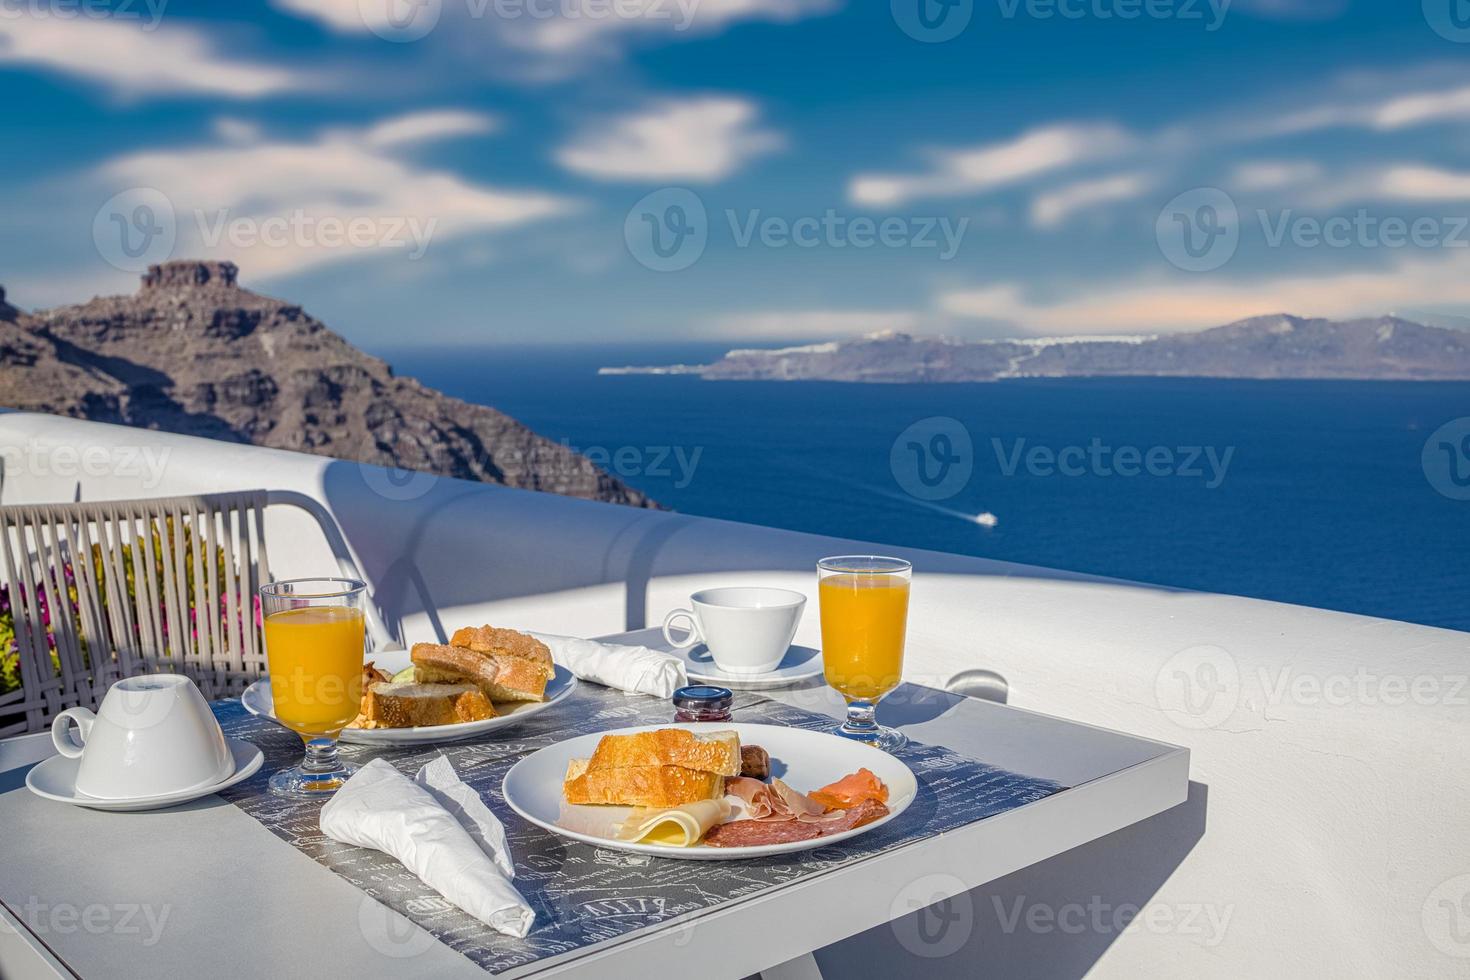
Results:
1326 829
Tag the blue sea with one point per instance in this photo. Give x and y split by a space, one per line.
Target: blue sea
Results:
1311 492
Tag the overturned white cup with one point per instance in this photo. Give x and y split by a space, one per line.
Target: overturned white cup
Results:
747 629
152 735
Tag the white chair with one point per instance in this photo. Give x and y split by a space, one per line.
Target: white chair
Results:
161 585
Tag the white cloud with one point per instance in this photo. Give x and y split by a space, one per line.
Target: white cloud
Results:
697 139
1268 175
1420 183
346 16
559 37
1159 305
1052 208
1311 187
420 127
1419 108
990 166
135 60
341 177
582 28
789 324
1049 151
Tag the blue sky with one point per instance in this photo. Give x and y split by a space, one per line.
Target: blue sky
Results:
573 171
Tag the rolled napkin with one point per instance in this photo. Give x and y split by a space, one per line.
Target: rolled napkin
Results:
440 829
634 670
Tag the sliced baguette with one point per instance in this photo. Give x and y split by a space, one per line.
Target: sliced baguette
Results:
653 786
715 752
524 661
439 663
390 705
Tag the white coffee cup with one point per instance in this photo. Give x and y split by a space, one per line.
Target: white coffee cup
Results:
153 735
747 629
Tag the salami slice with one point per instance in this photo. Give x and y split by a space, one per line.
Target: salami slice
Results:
864 813
757 833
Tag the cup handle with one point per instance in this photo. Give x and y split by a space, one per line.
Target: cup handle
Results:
689 640
61 735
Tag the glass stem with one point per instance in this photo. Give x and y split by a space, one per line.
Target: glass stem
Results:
861 718
321 756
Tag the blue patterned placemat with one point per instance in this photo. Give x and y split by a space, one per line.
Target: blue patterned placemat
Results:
582 894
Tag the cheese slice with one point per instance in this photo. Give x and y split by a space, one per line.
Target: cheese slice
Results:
680 826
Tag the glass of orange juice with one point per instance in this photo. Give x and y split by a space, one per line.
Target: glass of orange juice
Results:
865 608
314 633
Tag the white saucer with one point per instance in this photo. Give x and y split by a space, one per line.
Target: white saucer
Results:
799 664
56 779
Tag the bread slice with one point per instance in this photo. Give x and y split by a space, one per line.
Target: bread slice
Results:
653 786
438 663
505 643
389 705
524 661
715 752
508 666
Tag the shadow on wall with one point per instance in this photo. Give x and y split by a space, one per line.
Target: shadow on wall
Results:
1051 921
431 543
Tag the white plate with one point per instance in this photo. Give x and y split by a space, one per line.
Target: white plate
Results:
257 700
805 760
799 664
56 779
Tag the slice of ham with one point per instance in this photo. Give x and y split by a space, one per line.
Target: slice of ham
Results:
773 802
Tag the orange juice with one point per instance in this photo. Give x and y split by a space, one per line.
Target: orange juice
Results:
315 655
864 617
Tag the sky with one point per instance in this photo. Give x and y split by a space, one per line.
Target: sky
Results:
455 172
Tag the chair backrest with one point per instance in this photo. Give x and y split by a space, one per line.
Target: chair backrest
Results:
98 591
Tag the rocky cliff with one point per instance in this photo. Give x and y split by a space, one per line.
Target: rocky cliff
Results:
193 352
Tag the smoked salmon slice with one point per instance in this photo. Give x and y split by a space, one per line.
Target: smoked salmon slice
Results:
851 790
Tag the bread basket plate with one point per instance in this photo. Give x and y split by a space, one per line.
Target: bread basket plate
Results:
257 700
805 760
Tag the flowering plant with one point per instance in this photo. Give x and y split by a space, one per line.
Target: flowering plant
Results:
10 677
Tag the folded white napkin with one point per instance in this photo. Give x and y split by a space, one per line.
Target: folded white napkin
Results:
440 829
634 670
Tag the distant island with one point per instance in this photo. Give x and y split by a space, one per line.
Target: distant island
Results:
193 352
1274 347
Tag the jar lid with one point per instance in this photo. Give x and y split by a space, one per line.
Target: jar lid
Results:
703 696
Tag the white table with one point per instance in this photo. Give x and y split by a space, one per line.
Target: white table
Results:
204 890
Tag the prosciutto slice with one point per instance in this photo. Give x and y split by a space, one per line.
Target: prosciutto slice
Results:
773 802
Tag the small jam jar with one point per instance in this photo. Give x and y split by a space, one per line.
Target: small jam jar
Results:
703 703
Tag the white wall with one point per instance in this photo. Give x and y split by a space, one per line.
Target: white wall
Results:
1330 813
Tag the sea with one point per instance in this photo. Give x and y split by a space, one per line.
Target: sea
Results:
1321 493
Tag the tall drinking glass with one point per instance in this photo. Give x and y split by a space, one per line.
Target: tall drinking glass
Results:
314 633
865 606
